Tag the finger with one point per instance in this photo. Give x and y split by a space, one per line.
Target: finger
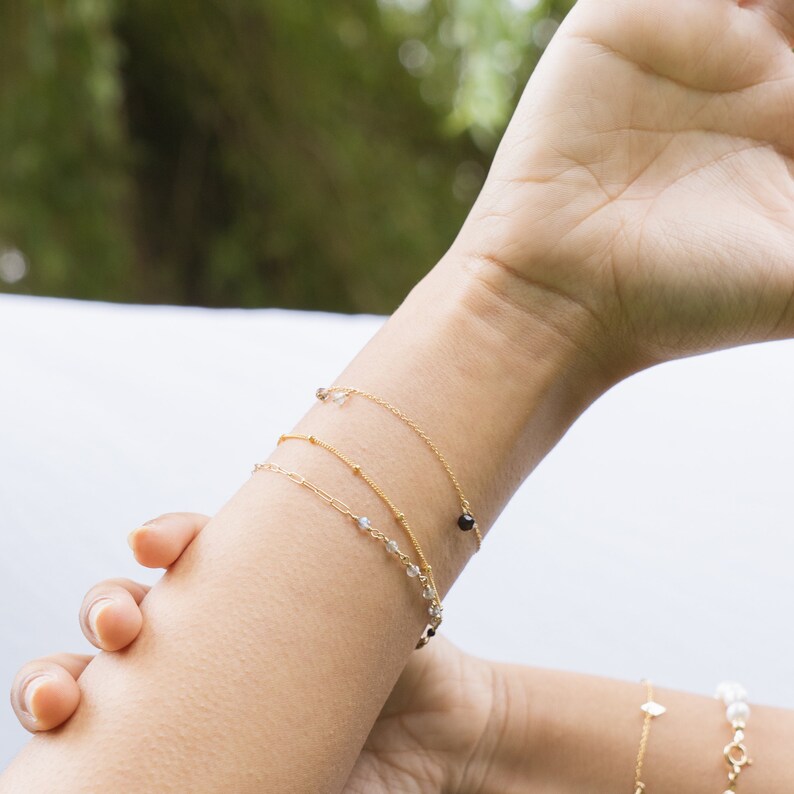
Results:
45 692
159 543
110 616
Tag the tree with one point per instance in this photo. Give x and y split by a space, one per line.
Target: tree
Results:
251 153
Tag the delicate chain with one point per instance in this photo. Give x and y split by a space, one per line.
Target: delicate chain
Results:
737 712
398 514
430 593
323 394
651 710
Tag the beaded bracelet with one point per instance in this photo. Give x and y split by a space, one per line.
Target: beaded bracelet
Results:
651 710
398 514
737 712
339 394
429 592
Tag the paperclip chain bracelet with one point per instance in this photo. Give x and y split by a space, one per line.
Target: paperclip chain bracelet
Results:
429 593
651 709
737 712
339 394
398 514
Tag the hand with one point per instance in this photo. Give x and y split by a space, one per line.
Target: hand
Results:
45 691
646 181
423 741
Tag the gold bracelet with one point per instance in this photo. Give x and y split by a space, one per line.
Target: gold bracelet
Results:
737 712
429 592
398 514
338 395
651 709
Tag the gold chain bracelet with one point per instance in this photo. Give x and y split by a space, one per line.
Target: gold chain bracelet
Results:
429 592
398 514
737 712
651 710
339 394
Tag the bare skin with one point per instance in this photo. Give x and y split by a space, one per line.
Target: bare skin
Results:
640 208
417 744
646 177
455 722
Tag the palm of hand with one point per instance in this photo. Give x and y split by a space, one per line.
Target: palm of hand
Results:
648 174
426 734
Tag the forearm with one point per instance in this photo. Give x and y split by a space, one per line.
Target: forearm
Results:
269 650
564 733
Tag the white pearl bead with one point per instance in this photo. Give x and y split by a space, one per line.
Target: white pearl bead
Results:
412 570
738 712
364 522
731 692
391 547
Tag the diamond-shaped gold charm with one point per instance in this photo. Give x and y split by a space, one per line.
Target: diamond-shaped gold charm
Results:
653 708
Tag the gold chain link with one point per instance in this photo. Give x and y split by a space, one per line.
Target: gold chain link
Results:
464 503
424 579
639 786
398 514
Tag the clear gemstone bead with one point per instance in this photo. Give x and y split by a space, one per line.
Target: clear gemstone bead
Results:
364 522
391 547
434 610
339 397
412 570
428 593
653 708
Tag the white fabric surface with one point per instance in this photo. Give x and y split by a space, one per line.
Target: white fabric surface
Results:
656 540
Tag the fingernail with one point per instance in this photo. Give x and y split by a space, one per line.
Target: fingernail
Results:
142 528
29 690
94 611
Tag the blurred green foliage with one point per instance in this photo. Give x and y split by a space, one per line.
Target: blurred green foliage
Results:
250 152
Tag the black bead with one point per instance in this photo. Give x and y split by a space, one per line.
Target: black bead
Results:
466 522
431 632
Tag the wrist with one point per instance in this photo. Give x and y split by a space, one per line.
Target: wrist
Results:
538 324
493 383
505 759
537 320
536 353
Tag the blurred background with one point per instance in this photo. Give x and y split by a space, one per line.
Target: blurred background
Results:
249 152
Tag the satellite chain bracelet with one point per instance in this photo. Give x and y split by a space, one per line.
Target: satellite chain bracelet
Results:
339 394
429 592
737 712
398 514
652 709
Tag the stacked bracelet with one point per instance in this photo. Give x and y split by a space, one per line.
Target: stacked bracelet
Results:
398 514
737 712
339 394
429 592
